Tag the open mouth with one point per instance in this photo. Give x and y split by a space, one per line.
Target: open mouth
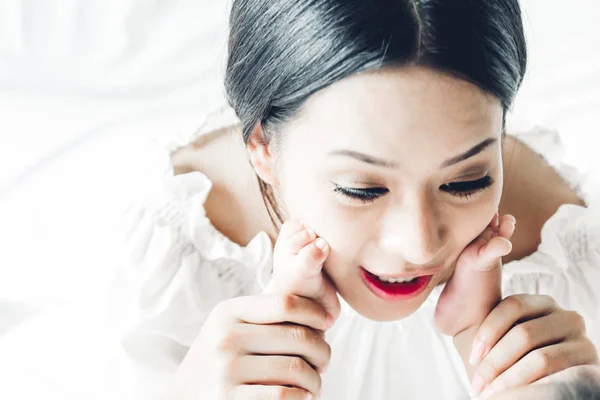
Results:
395 289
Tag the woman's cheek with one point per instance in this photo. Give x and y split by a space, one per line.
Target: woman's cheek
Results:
344 228
318 206
347 233
470 222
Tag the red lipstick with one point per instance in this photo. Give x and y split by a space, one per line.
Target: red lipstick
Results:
395 291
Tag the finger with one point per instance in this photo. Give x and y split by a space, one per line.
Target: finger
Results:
500 320
543 362
274 370
297 241
527 336
263 392
284 339
273 309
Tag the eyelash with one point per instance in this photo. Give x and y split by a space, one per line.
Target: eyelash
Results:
459 189
364 195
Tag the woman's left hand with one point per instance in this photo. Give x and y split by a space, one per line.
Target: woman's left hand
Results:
525 338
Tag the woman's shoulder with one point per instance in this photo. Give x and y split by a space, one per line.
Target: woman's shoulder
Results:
191 200
547 144
171 251
537 182
565 263
234 205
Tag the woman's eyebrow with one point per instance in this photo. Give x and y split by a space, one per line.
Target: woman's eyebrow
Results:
389 164
478 148
364 158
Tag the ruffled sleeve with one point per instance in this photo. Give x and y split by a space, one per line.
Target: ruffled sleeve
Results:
176 268
566 265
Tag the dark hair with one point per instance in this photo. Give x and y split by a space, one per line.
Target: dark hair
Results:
283 51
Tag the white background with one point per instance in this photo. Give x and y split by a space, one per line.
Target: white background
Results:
87 85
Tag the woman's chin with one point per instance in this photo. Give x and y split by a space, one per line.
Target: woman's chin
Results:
375 309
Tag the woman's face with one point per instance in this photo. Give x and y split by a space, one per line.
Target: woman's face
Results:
399 170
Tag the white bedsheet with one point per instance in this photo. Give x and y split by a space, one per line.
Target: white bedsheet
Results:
86 85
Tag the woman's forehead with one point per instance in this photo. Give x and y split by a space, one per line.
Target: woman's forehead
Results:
394 111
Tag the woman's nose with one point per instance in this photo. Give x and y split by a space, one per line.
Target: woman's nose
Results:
415 233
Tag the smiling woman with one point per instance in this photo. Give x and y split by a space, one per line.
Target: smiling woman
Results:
367 143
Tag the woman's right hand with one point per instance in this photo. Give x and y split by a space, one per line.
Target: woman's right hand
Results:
269 346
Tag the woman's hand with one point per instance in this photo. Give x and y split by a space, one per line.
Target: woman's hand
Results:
525 338
475 287
511 342
256 347
272 345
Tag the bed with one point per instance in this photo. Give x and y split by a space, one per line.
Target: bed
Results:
88 88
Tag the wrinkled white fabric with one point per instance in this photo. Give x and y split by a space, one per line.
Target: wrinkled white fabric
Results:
178 267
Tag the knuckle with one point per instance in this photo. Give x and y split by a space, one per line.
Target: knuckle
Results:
524 332
287 303
301 334
228 367
549 299
487 370
515 304
297 365
591 350
543 360
282 393
229 342
576 321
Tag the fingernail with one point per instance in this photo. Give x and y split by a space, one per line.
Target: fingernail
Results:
310 232
476 352
477 383
321 244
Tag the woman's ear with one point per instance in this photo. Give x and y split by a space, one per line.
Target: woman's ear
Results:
261 157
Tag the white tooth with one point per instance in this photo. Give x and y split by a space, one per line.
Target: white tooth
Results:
396 280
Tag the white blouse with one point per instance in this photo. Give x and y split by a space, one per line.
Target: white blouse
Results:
178 267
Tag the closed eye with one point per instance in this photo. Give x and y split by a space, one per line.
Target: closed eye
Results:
467 188
462 190
367 195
